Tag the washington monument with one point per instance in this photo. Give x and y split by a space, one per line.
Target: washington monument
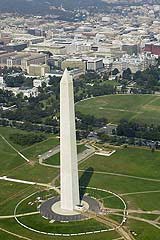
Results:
68 148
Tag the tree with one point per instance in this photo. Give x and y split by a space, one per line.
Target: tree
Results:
115 71
127 74
14 81
103 137
26 139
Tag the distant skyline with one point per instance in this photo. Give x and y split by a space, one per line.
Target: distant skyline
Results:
43 6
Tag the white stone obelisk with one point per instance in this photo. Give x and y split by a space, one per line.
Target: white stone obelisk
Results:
68 148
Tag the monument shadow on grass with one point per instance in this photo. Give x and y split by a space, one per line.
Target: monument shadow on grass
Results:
84 180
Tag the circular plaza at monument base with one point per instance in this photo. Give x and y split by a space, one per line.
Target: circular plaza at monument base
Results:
51 209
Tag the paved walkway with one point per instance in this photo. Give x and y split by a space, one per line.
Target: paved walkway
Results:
81 156
49 153
19 215
47 210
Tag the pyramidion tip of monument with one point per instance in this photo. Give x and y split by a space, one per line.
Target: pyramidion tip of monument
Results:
66 76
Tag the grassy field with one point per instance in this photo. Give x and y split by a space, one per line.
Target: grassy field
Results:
145 201
144 231
130 189
35 173
74 227
145 216
142 108
29 151
129 163
108 200
14 165
132 161
12 226
12 195
25 207
9 159
36 149
133 164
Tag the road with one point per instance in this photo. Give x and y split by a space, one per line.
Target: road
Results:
49 153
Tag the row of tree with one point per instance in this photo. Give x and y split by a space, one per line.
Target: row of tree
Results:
89 122
149 78
137 130
27 139
122 140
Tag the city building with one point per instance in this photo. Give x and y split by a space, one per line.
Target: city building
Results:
153 48
135 63
74 63
39 82
38 69
94 64
22 59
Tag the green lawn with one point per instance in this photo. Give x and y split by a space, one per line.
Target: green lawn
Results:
39 148
132 161
25 207
7 131
144 230
12 226
108 200
12 194
35 173
146 201
144 108
129 161
42 224
29 151
15 166
6 236
54 160
110 82
146 216
10 159
123 185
